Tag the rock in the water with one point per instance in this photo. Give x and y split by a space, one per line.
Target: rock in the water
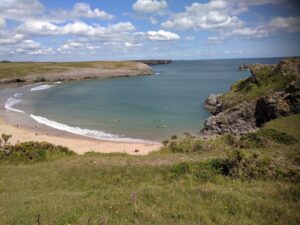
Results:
243 67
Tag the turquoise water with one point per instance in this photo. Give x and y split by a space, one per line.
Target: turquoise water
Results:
148 107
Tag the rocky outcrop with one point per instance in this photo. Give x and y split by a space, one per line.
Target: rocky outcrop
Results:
213 103
244 67
236 120
281 99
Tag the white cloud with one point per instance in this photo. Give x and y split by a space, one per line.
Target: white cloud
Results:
215 40
149 6
214 15
290 24
82 10
7 38
204 16
2 23
132 45
36 27
44 51
239 6
30 44
20 9
189 38
162 35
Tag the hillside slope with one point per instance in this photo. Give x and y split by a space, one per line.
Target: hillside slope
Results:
270 92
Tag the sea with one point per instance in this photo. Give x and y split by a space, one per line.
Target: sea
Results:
133 109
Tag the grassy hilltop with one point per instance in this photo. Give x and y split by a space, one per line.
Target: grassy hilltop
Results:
52 71
184 183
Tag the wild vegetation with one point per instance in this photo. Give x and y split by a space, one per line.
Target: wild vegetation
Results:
18 70
30 152
265 80
190 181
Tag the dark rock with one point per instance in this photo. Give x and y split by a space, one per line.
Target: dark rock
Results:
244 67
235 120
271 107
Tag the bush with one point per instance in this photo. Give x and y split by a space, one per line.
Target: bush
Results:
33 152
199 171
260 139
185 144
238 164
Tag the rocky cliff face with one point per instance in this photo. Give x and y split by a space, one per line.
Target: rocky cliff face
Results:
270 92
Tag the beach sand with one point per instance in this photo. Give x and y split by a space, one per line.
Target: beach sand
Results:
22 129
79 145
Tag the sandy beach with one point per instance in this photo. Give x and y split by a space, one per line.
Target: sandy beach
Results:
79 145
23 129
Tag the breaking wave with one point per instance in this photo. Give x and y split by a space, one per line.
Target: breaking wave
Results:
42 87
10 102
96 134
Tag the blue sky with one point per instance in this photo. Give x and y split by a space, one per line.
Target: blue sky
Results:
50 30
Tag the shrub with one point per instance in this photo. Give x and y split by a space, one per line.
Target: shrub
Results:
278 137
196 170
260 139
238 164
183 145
33 152
6 137
174 137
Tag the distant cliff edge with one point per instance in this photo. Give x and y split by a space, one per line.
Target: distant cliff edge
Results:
31 72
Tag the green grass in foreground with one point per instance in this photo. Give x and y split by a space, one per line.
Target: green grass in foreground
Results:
161 188
13 70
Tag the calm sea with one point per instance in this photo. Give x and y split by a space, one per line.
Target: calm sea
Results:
148 107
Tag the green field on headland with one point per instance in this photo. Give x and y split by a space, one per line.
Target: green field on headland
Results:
261 185
22 69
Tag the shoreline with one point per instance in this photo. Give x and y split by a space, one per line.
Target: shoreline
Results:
79 145
23 129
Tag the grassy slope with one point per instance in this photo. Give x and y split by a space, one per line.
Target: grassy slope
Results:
9 70
245 90
289 125
98 188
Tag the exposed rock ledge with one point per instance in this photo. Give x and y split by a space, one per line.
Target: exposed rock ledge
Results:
270 92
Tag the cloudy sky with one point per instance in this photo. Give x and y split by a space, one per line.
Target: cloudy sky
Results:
65 30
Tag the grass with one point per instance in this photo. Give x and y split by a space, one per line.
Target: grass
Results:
246 90
78 189
286 124
14 70
167 187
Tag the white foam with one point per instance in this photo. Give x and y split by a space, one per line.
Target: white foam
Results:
100 135
41 87
10 102
157 73
17 95
58 82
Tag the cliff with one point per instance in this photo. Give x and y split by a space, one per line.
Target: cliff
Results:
270 92
20 72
